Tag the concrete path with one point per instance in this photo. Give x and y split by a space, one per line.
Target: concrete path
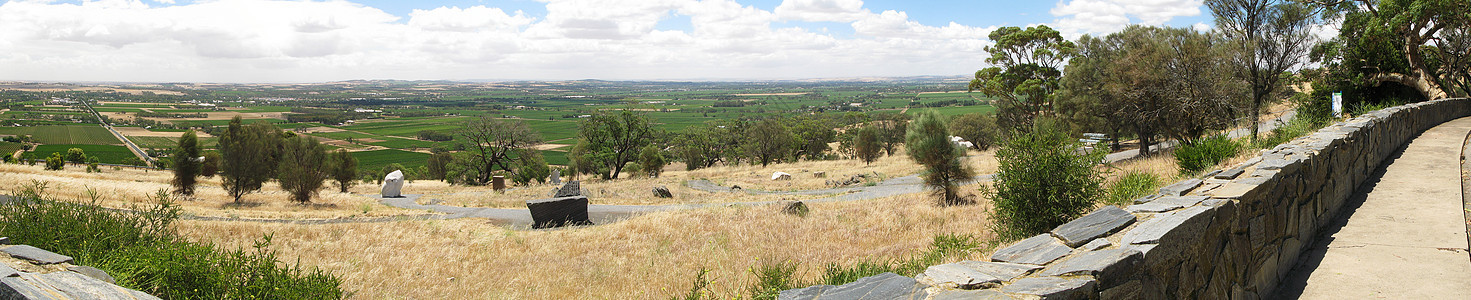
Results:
1402 236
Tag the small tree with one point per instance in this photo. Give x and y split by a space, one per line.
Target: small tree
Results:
651 161
186 168
383 173
211 164
303 168
76 155
92 165
1043 181
30 158
928 143
769 141
613 140
344 169
250 154
436 166
530 165
55 162
867 146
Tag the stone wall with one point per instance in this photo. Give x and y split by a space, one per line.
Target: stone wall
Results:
33 273
1230 235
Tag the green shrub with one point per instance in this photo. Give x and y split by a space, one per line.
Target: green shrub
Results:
142 252
1202 154
1131 186
1043 180
772 278
55 163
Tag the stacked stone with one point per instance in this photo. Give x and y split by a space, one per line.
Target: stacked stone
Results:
28 272
1231 235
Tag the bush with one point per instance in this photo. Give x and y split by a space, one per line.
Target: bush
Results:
1205 153
54 163
1131 186
928 143
76 155
651 161
772 278
141 251
1044 180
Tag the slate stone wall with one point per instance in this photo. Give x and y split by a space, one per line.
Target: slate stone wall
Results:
1230 235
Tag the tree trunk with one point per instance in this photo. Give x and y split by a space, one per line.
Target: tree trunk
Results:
1256 118
1427 88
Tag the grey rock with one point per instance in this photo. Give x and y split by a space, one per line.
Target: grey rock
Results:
1229 173
1166 203
1096 244
558 212
36 255
1093 225
1105 265
16 287
1146 199
1053 287
795 208
973 295
4 240
972 274
662 192
572 188
93 272
1181 188
1150 231
881 286
1037 250
1212 173
7 271
80 286
556 177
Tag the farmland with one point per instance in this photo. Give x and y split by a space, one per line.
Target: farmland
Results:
79 134
377 159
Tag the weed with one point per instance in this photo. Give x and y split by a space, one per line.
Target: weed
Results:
1202 154
1131 186
699 289
772 278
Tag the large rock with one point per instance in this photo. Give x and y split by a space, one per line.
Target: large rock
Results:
393 184
972 274
1149 232
1053 287
795 208
1037 250
558 212
1093 225
882 286
556 177
1107 266
1166 203
1181 188
572 188
972 295
36 255
781 176
662 192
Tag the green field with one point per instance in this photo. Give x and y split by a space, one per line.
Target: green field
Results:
7 148
105 153
89 135
955 110
159 142
377 159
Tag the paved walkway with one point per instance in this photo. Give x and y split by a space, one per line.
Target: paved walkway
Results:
1402 236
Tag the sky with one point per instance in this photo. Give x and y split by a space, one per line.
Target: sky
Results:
260 41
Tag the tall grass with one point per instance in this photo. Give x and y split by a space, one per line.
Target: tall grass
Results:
1298 126
139 249
1201 154
1130 186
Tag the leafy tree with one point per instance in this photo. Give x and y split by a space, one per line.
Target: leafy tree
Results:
610 141
705 145
92 165
1043 181
55 162
928 143
186 167
891 130
867 146
211 164
769 141
1274 36
383 173
651 161
977 128
344 169
250 153
530 165
304 168
437 165
1385 41
812 134
76 155
1026 70
490 142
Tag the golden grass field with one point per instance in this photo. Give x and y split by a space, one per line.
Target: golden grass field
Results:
649 256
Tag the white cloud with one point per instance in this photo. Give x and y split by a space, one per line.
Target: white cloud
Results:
285 41
1078 17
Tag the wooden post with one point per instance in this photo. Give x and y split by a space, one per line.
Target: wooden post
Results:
498 182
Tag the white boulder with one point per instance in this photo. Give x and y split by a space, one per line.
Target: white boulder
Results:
781 176
393 184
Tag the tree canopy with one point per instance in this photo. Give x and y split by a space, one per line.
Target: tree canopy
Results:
1026 71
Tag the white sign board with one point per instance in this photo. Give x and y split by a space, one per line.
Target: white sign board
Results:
1337 104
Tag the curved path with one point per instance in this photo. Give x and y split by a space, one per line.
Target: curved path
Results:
1402 235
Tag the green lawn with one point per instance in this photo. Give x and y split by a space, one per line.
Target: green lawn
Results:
90 135
105 153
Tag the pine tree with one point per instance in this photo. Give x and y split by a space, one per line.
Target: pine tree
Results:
186 167
303 168
928 143
344 169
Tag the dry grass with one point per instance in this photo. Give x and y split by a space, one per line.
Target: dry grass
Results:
131 187
651 256
889 166
1160 164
